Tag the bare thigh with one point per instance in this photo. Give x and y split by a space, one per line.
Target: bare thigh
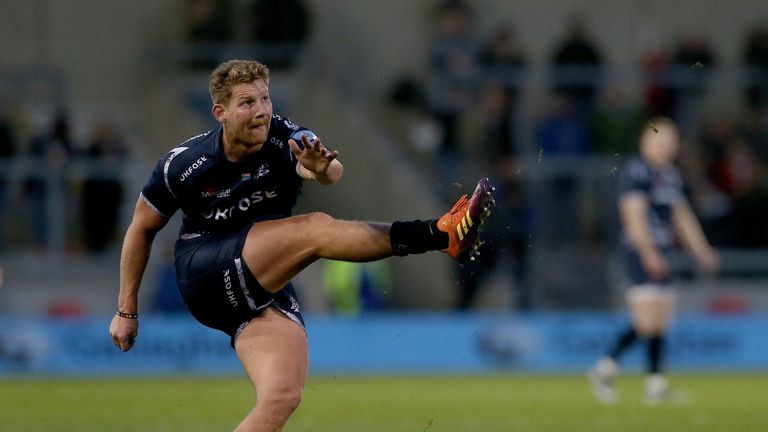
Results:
273 351
275 251
651 309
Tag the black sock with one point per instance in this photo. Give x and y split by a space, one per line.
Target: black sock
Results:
415 237
625 340
655 352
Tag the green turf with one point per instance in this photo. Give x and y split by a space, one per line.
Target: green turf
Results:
729 403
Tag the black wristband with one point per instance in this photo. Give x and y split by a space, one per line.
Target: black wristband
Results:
127 315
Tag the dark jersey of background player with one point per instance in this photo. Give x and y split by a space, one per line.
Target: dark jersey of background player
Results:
218 195
662 188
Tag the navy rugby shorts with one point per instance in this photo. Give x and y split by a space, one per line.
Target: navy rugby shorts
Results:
636 272
218 287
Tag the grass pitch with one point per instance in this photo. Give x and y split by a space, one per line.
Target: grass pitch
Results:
421 404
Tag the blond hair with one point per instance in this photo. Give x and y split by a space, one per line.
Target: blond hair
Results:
230 73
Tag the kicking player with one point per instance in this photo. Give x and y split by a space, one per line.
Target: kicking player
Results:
239 247
653 211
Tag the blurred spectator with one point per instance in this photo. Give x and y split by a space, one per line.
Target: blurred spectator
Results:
503 63
505 233
496 129
741 174
282 27
206 26
617 122
657 90
562 131
7 151
756 61
691 63
696 163
453 65
577 67
102 189
505 236
753 127
353 288
51 149
561 134
737 170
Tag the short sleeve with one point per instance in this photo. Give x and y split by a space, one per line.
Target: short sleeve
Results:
156 192
635 177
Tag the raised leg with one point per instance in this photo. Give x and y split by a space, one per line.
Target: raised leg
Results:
276 251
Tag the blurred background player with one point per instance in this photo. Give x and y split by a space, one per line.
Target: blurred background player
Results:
654 213
239 247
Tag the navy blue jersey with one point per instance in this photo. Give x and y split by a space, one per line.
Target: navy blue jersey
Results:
218 195
661 188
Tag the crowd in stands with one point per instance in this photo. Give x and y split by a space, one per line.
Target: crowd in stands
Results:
467 116
48 173
472 99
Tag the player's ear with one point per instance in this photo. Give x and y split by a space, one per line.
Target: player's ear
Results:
219 112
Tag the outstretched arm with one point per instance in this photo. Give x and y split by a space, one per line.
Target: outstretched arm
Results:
692 237
133 261
315 162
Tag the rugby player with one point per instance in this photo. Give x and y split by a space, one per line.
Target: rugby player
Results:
654 212
239 246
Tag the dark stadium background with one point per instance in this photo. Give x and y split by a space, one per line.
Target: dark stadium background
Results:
92 92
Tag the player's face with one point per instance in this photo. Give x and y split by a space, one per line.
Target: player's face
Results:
659 145
248 113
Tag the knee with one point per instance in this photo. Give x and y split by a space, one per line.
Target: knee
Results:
316 220
283 401
649 328
315 225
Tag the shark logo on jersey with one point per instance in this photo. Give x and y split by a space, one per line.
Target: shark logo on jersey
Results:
262 171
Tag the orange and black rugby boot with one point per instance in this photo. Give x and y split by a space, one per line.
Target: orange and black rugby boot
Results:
463 222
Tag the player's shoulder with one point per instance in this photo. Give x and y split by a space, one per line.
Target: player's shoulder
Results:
283 129
191 154
203 143
637 169
283 125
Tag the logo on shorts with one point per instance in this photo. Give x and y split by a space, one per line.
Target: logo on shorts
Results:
294 304
228 288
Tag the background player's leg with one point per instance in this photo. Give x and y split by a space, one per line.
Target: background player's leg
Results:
273 351
276 251
651 309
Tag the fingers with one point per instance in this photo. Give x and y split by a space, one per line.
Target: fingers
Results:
312 145
124 343
309 144
124 333
294 148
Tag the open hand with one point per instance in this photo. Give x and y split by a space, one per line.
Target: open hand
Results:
315 157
